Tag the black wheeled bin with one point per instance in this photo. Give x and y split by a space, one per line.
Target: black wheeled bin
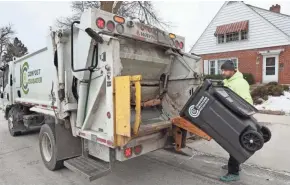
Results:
227 118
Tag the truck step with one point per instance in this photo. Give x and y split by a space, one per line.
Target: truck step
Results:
89 168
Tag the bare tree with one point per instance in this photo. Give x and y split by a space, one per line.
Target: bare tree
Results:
142 10
6 32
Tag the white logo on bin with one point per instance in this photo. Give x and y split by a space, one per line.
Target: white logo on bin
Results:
193 111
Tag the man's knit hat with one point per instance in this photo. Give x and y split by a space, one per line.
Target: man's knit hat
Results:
228 65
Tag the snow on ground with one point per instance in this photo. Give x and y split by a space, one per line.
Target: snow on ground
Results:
281 103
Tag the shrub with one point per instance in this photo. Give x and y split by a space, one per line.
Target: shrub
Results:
277 90
272 83
260 91
249 77
270 89
286 88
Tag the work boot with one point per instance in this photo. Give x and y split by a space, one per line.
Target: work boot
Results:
225 167
230 178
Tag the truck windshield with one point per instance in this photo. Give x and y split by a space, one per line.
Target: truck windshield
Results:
5 76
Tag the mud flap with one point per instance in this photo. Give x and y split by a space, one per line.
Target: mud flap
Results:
67 145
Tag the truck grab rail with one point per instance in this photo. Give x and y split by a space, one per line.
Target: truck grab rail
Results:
94 36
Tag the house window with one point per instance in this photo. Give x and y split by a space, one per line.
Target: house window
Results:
215 65
234 36
244 35
212 67
232 32
270 66
221 38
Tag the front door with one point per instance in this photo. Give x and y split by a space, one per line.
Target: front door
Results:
270 68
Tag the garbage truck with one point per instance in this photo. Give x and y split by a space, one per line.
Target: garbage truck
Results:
103 91
110 89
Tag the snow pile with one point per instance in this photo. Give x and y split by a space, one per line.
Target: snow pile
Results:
280 103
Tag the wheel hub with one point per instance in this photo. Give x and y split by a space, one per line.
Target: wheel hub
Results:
10 123
252 141
46 147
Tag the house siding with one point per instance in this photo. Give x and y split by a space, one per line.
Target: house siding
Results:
250 61
261 32
279 20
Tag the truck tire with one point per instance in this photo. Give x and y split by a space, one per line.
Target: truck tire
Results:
8 108
47 147
252 140
12 122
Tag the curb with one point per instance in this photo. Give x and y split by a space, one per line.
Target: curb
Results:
272 112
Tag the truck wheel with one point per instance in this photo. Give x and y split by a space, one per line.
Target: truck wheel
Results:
8 108
48 147
266 133
252 141
12 123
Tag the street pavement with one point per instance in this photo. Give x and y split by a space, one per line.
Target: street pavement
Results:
274 155
20 164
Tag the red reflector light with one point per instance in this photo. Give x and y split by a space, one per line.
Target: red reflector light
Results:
111 26
109 115
100 23
176 44
181 45
128 152
138 149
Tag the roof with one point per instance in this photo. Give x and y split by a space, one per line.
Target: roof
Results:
279 20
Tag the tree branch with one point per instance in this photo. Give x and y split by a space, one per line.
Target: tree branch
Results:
142 10
107 6
117 6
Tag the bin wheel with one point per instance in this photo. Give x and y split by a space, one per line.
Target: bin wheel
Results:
252 141
266 133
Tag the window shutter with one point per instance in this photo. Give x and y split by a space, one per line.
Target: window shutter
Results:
205 67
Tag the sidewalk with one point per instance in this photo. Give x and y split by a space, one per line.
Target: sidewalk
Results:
274 155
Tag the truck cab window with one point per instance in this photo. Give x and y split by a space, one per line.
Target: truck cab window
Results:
6 76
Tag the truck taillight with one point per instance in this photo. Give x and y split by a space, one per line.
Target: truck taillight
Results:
128 152
120 28
138 149
176 44
172 36
119 19
111 26
181 45
100 23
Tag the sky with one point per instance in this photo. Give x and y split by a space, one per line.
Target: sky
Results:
32 19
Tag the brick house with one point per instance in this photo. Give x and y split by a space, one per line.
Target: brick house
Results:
257 40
